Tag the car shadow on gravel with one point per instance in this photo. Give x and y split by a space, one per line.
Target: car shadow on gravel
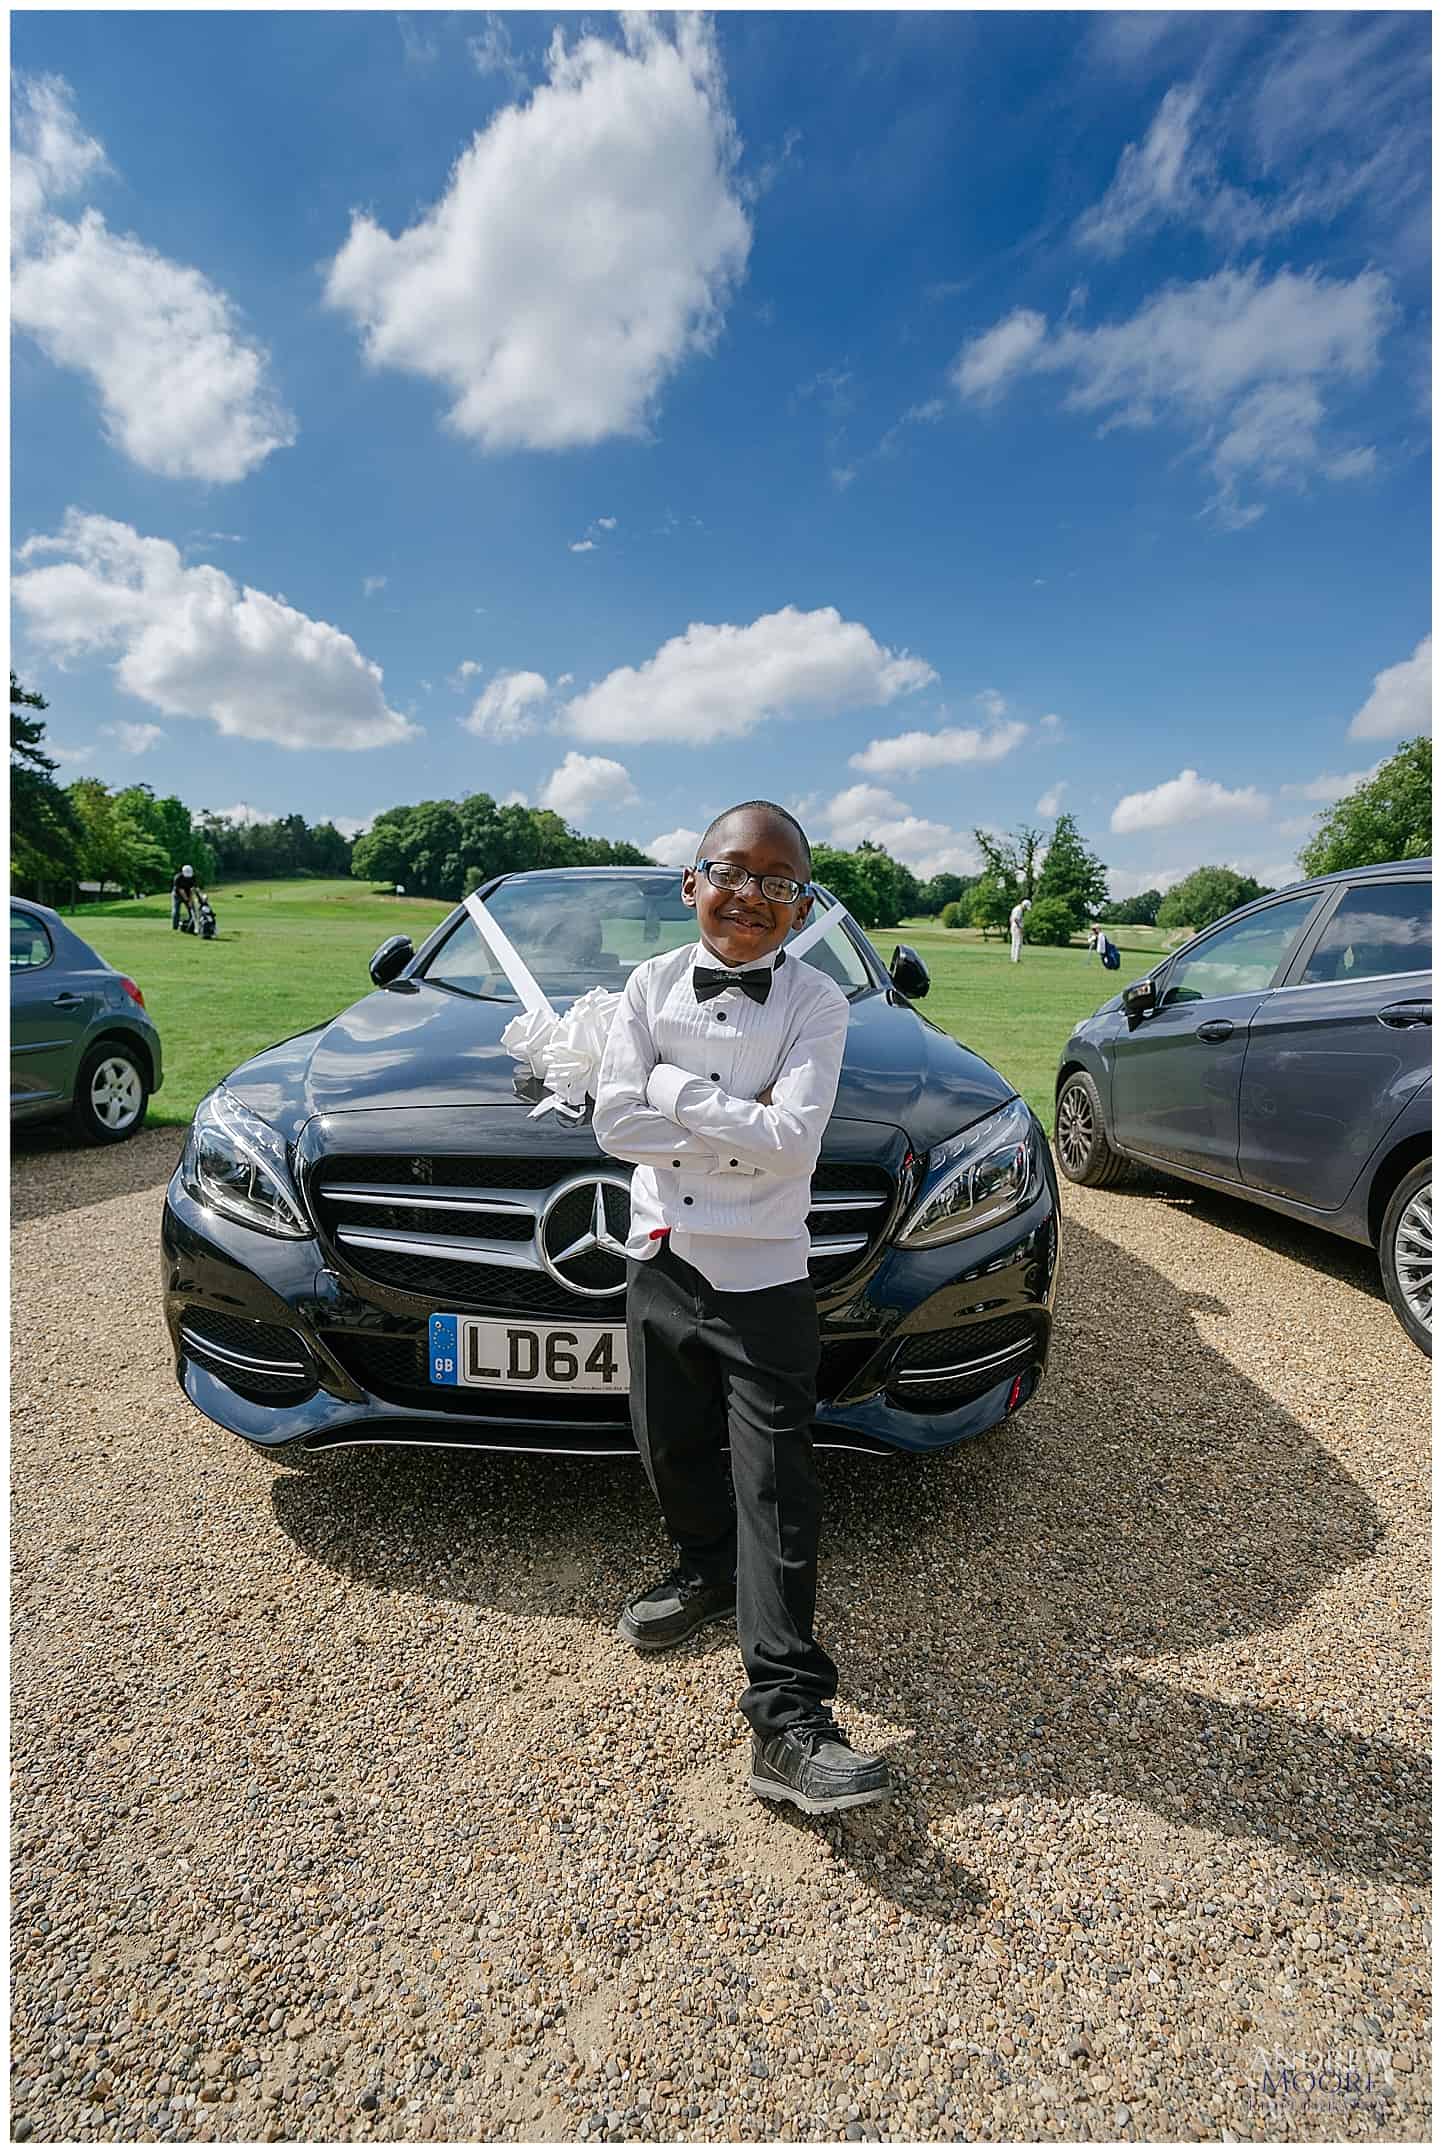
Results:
998 1604
1313 1246
52 1172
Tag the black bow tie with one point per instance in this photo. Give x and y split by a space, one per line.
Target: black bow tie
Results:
707 983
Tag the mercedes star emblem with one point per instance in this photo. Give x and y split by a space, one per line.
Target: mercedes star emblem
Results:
563 1249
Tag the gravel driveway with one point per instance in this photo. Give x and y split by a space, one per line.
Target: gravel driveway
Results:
340 1813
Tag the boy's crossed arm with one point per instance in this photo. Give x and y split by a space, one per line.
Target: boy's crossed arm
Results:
779 1132
623 1121
652 1112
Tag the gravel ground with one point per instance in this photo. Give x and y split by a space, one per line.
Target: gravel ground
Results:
340 1813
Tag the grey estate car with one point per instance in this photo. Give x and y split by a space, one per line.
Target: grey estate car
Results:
81 1041
1283 1055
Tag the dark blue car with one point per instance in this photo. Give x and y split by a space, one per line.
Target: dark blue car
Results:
1284 1055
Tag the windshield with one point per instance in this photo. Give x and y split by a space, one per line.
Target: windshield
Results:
593 932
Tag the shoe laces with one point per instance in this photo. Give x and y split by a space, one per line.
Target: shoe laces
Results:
823 1728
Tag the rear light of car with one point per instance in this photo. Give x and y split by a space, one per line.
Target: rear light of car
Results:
133 991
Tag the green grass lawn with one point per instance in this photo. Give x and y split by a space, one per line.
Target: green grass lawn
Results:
286 955
289 954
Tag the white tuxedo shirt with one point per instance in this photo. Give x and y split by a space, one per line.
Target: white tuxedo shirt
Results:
676 1093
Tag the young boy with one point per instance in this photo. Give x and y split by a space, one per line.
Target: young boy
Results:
717 1080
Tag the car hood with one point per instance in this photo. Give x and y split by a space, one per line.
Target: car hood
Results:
416 1046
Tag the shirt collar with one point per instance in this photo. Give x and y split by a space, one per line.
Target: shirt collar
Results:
701 955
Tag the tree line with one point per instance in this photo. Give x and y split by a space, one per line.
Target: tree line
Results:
61 836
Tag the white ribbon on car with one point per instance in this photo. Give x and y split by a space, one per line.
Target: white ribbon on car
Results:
565 1051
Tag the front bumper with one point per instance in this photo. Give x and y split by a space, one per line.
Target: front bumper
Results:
921 1349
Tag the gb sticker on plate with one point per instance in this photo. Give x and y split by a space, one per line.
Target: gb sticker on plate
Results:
445 1350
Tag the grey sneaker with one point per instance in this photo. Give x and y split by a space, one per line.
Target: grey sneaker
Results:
673 1609
812 1764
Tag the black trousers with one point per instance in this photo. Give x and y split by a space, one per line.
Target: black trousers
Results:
706 1367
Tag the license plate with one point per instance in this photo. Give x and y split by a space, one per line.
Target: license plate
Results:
490 1354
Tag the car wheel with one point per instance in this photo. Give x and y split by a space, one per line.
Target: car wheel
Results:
1405 1251
1081 1141
110 1094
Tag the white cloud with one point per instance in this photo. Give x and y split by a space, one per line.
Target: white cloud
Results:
988 364
1049 721
674 848
1050 801
721 681
1353 463
506 708
606 523
1238 359
351 826
514 799
1152 182
1400 704
466 670
928 848
373 584
586 245
1328 786
193 644
242 812
66 756
906 753
1186 798
183 392
1123 882
492 53
583 545
585 782
135 739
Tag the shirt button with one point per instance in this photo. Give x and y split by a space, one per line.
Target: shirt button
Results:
720 1016
675 1162
715 1076
688 1199
735 1162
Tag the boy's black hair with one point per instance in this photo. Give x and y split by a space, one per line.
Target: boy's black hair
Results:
759 807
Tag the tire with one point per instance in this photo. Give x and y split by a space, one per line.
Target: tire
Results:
111 1093
1081 1146
1404 1251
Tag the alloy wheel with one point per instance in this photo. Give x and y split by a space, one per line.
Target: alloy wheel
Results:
116 1093
1074 1129
1412 1255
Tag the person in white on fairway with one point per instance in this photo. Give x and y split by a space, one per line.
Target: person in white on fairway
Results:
1018 915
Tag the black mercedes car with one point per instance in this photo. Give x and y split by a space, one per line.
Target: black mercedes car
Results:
372 1237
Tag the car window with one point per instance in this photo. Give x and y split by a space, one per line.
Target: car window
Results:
1242 958
1380 928
29 943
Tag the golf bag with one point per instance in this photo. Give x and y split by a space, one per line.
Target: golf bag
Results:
206 929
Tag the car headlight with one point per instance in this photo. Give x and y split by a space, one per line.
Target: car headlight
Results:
991 1170
237 1163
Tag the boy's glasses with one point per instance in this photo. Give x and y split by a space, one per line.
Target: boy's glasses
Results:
725 875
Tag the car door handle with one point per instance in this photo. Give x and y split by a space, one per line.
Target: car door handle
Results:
67 1001
1398 1016
1216 1028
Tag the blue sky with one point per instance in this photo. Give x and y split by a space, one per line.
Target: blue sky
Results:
925 420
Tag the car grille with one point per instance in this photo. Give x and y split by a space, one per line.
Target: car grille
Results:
263 1361
462 1233
953 1367
393 1368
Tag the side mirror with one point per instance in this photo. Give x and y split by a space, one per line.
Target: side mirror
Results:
909 973
391 959
1138 1001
